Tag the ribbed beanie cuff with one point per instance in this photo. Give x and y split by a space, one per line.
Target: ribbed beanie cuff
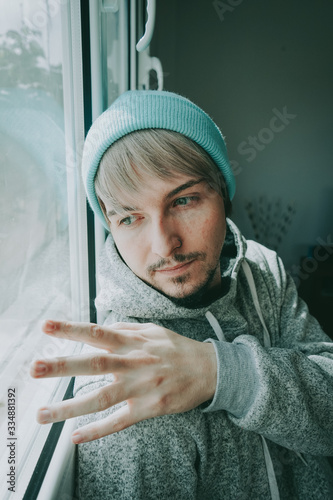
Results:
145 109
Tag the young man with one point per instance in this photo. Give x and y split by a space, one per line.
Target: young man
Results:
213 380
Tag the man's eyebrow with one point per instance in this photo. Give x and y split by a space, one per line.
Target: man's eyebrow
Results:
110 213
172 193
183 187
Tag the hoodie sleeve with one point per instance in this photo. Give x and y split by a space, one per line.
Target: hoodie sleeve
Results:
285 392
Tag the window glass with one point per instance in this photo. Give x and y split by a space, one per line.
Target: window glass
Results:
35 274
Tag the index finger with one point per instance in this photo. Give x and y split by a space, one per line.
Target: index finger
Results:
103 337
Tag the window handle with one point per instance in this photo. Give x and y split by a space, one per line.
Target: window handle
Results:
144 42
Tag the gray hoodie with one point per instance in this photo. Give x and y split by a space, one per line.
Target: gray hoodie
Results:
270 424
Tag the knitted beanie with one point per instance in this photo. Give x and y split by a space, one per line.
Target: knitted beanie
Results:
144 109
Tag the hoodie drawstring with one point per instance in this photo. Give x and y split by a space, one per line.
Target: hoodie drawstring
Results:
267 343
250 280
215 325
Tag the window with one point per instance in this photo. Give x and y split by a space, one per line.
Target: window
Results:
43 271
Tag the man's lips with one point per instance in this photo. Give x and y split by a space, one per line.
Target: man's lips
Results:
175 269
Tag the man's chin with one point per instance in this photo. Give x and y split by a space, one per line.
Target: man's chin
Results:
185 295
200 298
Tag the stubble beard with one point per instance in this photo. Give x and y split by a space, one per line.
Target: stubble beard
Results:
203 294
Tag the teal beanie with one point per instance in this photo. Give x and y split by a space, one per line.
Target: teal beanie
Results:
144 109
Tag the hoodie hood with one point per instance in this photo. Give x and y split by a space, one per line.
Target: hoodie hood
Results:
127 295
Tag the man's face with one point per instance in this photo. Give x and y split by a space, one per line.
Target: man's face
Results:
172 234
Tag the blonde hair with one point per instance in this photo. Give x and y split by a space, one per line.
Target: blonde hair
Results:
158 153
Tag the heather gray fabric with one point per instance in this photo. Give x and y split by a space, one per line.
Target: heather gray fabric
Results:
284 393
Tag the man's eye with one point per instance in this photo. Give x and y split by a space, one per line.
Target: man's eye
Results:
127 221
185 200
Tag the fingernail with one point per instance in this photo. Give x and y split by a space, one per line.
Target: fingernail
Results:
44 416
49 326
40 368
77 437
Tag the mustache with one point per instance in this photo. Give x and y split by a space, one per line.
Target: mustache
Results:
176 259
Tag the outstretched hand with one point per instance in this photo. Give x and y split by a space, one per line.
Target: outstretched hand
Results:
156 371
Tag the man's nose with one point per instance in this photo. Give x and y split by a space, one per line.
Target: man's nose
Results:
165 237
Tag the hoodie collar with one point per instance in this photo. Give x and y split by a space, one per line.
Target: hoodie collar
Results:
127 295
